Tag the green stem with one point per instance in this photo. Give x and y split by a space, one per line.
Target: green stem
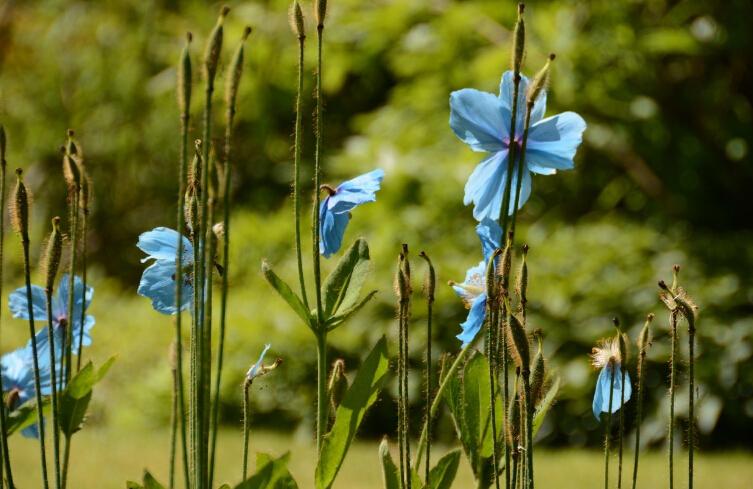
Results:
505 386
400 395
492 311
521 164
405 399
210 244
505 210
194 410
672 376
514 481
438 399
691 402
35 361
173 428
3 429
639 415
621 432
608 426
74 200
82 318
322 403
297 170
54 390
529 427
66 460
429 313
246 427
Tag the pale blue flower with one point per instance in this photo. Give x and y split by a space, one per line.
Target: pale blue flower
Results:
158 280
473 289
482 121
18 304
334 211
607 358
257 369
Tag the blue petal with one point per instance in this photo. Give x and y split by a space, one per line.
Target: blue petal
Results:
474 276
60 300
475 320
332 229
254 370
162 244
479 119
485 187
601 395
598 393
552 143
506 92
490 234
355 192
158 284
19 305
525 190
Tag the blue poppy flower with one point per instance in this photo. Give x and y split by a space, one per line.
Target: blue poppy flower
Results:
257 369
473 289
482 121
607 357
18 304
158 280
334 211
18 379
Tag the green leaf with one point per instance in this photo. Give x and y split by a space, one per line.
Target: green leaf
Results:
133 485
150 482
26 415
270 474
343 314
390 473
546 403
225 486
74 400
443 474
343 286
362 394
286 293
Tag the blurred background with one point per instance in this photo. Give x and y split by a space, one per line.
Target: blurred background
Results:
663 177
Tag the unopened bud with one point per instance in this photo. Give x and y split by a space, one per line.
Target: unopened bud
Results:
19 207
430 282
539 82
185 78
538 374
320 12
234 72
52 254
518 344
214 48
522 285
338 383
295 17
519 41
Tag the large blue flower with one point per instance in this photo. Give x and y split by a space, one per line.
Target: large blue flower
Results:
334 212
19 309
473 289
18 378
158 280
607 357
482 121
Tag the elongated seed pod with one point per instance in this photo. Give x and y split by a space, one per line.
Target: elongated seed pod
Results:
520 350
491 277
539 82
338 383
512 433
522 284
19 207
214 47
402 289
320 12
538 375
234 72
52 254
519 41
430 280
185 78
295 18
505 263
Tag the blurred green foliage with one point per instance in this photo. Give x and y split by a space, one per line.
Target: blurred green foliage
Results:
663 177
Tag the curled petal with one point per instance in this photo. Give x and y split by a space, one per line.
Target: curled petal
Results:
162 244
475 320
552 143
158 284
479 119
357 191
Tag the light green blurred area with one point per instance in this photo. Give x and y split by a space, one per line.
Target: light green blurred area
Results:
121 456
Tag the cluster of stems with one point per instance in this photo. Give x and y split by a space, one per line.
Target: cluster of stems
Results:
404 291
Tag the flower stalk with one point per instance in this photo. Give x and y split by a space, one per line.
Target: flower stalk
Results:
3 419
429 289
608 426
644 341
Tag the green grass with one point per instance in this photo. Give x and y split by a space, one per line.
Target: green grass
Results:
104 459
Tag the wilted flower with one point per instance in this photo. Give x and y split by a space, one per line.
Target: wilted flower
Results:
334 212
258 369
482 121
473 289
607 357
158 280
60 321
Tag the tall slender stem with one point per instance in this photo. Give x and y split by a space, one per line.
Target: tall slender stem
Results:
3 430
491 357
608 427
529 427
505 209
173 427
639 414
672 377
691 400
246 427
210 244
405 402
74 196
321 388
621 432
430 284
297 169
194 410
54 389
35 359
400 394
521 164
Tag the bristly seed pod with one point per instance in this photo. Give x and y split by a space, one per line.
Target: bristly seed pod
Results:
295 18
402 287
234 72
52 255
320 12
338 383
213 49
430 282
19 207
505 264
622 340
520 350
539 82
491 278
519 41
513 421
538 374
522 285
644 341
71 171
185 79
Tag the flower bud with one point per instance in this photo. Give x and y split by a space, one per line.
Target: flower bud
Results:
214 48
52 255
19 207
338 383
522 285
519 41
539 82
430 282
538 374
518 344
234 72
320 12
71 171
505 264
491 278
512 433
184 79
295 17
402 286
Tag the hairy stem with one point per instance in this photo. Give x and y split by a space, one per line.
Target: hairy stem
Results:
297 170
491 357
608 426
427 413
639 415
82 317
173 428
246 426
691 402
672 377
322 402
3 429
54 390
74 201
529 428
621 432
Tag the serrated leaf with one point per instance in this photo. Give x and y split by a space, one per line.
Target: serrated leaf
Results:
360 396
390 473
344 314
546 403
342 287
270 474
443 474
287 294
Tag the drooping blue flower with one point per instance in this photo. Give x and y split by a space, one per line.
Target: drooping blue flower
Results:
334 211
473 289
607 358
257 369
482 121
18 378
158 280
18 304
